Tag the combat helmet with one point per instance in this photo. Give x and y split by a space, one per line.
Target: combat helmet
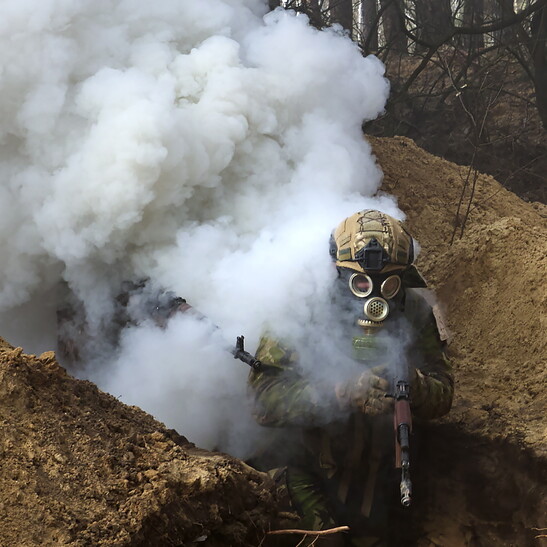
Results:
373 242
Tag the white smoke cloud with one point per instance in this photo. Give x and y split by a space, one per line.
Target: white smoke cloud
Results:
197 143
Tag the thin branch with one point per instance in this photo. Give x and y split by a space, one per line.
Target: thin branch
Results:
522 62
466 66
472 168
310 532
417 72
462 195
482 29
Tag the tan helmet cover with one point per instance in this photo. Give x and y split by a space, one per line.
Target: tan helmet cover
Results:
355 233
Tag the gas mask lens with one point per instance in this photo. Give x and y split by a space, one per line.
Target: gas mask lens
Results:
360 284
390 287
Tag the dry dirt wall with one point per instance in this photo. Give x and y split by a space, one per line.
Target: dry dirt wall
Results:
80 468
484 465
490 283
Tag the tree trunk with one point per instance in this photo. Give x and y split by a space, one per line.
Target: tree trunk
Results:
272 4
433 21
369 12
473 16
503 9
539 57
341 11
393 25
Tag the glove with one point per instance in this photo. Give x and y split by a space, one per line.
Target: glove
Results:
419 388
367 394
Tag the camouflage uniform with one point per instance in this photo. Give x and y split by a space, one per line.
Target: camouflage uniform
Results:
341 435
339 472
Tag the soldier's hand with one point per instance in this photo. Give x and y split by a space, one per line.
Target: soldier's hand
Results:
367 393
418 388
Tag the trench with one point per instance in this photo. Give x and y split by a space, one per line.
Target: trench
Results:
474 491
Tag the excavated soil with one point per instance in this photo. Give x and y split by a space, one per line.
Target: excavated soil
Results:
490 283
485 464
81 468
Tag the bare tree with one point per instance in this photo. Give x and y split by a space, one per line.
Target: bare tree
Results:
314 9
473 16
444 58
341 11
393 24
390 25
538 50
369 15
433 19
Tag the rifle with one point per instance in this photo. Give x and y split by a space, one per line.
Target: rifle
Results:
402 423
172 304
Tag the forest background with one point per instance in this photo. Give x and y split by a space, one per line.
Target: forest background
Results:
468 80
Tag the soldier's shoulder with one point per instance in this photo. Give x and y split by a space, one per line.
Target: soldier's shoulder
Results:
442 326
422 307
273 351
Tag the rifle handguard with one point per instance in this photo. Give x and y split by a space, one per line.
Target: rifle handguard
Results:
402 424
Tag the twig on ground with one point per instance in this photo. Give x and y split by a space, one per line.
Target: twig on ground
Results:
310 532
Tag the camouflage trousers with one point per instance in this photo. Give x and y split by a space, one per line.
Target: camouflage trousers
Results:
303 493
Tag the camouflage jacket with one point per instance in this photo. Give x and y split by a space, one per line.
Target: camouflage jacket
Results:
283 396
349 448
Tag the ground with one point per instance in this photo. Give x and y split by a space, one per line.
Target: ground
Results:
81 468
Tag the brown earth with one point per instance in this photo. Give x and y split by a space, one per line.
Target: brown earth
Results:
81 468
490 282
485 464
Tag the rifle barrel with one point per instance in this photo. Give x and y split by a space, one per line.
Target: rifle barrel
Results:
403 428
406 487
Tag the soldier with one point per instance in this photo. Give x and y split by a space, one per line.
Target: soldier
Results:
341 429
136 302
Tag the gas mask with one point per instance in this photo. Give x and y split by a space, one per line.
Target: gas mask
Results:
374 255
376 294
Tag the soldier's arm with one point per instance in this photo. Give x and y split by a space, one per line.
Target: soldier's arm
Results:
281 396
433 386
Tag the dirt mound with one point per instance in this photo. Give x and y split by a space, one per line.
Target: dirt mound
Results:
484 465
490 282
81 468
